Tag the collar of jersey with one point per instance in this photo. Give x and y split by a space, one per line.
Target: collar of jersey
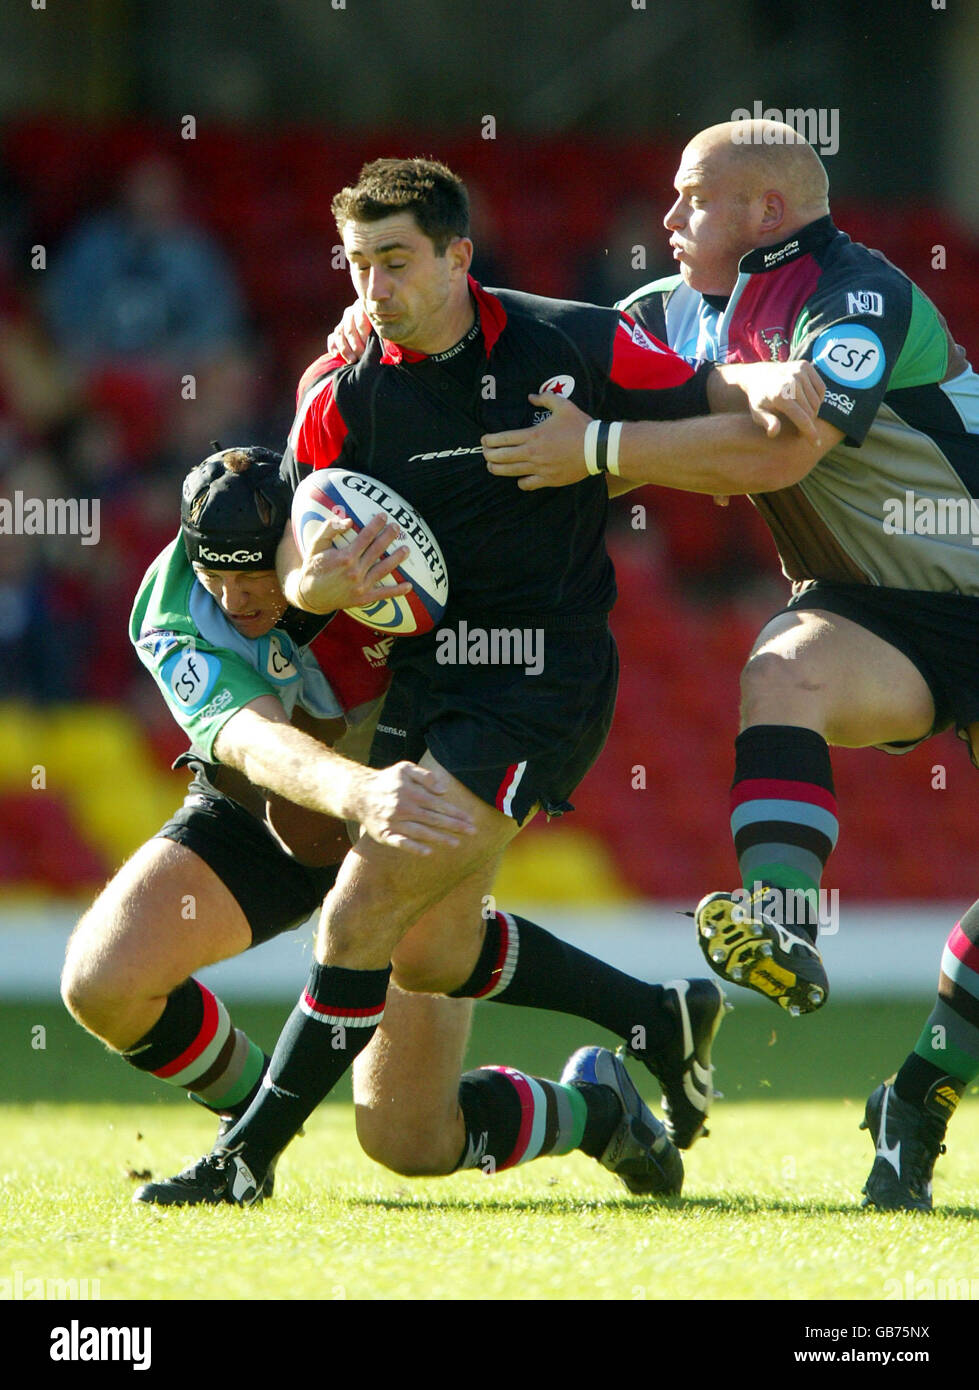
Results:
813 237
492 316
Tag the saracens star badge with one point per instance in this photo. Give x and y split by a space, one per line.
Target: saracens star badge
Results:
560 385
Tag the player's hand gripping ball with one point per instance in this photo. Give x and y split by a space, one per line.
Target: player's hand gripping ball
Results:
338 492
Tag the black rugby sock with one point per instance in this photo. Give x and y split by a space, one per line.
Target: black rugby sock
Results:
334 1020
521 963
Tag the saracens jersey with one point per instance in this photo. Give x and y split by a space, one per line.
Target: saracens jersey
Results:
415 422
896 502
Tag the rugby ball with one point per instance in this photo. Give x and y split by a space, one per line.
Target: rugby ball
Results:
338 492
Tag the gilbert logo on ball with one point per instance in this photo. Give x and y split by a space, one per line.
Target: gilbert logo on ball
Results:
329 492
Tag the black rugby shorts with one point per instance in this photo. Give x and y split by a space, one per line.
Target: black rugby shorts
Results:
516 740
937 632
274 891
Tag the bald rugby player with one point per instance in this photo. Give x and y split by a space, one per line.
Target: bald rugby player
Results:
878 645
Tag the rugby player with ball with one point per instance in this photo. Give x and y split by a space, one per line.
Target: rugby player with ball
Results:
212 626
453 362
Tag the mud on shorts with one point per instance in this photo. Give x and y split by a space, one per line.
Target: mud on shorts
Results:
274 891
516 740
937 632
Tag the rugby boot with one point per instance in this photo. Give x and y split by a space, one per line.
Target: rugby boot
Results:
640 1152
228 1123
220 1177
745 944
908 1139
683 1069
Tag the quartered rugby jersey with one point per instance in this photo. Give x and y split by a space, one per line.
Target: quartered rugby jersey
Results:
415 422
206 670
893 503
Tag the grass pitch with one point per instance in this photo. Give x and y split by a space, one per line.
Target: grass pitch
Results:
769 1211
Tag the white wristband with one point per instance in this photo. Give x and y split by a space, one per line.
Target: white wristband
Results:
614 434
591 445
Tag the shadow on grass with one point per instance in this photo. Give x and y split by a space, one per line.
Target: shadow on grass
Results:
695 1206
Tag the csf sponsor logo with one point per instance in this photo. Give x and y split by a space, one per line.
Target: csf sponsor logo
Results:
191 677
278 664
229 557
865 302
851 354
560 385
844 404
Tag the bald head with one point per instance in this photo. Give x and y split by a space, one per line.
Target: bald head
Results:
741 185
766 155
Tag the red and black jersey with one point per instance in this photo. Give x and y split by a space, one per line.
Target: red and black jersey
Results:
415 422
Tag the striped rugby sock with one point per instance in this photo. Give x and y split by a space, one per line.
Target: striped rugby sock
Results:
521 963
334 1020
194 1045
949 1042
513 1118
783 818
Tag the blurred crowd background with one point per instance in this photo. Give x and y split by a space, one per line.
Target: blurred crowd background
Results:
169 266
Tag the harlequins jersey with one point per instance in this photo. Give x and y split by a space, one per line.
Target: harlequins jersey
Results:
415 422
894 503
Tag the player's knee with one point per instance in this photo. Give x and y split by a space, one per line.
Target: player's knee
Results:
92 989
767 679
409 1155
419 971
357 930
82 991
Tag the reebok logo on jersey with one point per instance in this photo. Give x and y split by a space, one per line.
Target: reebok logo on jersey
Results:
445 454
